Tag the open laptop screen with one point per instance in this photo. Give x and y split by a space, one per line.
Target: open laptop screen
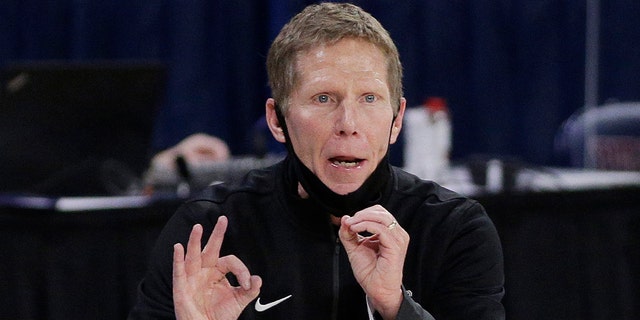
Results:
61 122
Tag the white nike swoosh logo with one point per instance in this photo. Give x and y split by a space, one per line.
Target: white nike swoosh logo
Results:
263 307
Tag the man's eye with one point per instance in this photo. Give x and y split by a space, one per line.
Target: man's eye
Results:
370 98
323 98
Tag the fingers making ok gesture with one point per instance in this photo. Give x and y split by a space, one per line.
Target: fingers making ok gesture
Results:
200 287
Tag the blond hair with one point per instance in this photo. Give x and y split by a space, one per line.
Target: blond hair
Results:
326 24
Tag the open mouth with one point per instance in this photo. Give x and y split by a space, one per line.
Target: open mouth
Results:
345 162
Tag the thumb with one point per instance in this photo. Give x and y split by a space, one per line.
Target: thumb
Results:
245 296
348 238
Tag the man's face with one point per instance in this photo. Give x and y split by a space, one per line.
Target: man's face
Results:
340 114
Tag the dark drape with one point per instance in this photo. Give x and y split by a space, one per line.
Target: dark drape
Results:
512 71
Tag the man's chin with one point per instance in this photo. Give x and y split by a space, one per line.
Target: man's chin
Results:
344 188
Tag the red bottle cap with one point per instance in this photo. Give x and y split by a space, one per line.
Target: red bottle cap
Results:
435 104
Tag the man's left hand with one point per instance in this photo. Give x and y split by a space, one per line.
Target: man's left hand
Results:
377 260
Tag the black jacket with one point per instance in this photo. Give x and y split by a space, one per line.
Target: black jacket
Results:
453 268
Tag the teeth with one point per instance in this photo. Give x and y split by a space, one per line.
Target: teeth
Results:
348 164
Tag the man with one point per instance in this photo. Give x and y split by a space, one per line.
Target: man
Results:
333 231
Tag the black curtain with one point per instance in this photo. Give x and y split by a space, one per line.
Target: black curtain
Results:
511 71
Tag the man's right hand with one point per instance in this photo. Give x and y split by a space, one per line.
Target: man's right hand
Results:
200 288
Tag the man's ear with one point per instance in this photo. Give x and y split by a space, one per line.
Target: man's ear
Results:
273 122
396 126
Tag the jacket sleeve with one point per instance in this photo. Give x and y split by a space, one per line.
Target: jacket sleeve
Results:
470 282
411 310
470 277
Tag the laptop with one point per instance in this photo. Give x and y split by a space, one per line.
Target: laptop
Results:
76 128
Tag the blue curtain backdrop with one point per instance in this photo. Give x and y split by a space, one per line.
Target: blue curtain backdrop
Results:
512 71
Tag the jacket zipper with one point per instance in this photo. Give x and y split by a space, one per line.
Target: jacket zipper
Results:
336 279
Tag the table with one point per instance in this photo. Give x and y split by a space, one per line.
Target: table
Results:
75 264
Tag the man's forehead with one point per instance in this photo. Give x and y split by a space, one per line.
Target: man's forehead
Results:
321 54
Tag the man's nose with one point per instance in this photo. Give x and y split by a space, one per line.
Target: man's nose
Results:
347 118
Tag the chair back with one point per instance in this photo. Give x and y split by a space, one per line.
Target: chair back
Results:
612 135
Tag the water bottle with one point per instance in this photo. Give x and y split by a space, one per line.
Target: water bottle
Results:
427 137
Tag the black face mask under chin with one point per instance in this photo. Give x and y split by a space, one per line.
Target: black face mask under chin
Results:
370 193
